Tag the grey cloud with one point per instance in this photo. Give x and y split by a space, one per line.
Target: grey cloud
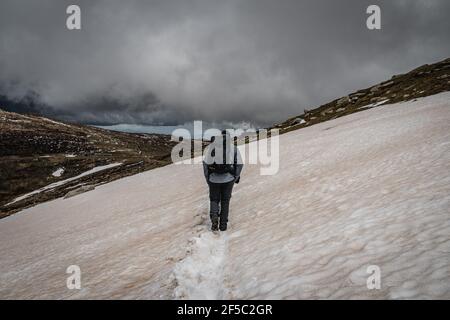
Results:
149 62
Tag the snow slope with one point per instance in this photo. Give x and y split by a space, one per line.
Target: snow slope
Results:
371 188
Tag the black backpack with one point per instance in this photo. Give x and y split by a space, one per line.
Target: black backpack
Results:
222 168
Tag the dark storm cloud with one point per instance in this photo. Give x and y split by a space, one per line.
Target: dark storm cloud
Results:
174 61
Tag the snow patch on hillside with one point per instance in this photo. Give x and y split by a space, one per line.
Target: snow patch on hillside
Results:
374 105
54 122
58 172
63 182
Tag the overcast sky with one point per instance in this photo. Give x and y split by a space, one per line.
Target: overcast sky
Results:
150 62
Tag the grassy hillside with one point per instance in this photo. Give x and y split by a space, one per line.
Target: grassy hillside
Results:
421 82
36 151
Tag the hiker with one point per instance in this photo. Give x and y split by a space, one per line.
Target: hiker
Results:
222 166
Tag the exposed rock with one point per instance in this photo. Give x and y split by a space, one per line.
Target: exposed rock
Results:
375 89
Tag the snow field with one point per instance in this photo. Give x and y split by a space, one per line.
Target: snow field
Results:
371 188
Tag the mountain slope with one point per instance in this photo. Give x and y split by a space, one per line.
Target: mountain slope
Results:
36 152
371 188
424 81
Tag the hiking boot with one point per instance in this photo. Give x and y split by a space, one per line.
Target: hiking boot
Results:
214 222
223 227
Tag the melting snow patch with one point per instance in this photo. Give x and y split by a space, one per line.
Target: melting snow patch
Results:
373 105
54 122
299 121
60 183
18 120
200 275
58 172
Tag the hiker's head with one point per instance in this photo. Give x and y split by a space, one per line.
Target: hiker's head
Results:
221 138
225 136
221 147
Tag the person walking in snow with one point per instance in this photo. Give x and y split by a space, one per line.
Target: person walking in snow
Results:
222 167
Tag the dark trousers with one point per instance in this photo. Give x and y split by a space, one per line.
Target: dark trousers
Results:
220 194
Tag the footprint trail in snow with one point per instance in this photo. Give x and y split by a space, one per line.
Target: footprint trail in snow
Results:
201 274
